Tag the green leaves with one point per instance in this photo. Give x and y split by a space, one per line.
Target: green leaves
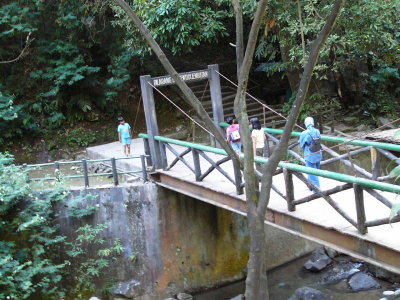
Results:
177 25
32 248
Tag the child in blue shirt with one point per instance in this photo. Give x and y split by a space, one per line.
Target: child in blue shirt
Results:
124 135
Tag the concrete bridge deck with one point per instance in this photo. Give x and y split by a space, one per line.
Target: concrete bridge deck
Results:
315 220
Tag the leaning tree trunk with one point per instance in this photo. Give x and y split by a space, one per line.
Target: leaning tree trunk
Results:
256 266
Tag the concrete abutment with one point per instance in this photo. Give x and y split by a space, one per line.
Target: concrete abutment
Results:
174 243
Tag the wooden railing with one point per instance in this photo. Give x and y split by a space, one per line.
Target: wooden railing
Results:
86 175
372 184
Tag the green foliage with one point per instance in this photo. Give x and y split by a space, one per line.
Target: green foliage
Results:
383 92
363 49
31 247
80 137
315 105
64 73
178 25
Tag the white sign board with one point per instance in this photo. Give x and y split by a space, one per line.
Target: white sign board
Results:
190 76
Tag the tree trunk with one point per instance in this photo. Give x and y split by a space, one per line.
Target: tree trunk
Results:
239 35
254 269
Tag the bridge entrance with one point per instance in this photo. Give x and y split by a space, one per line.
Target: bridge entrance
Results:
148 84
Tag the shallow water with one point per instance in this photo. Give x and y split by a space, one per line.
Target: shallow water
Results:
284 280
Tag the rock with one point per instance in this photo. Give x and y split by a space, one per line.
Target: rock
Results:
383 274
170 299
238 297
350 120
183 296
180 128
307 293
128 289
363 282
332 253
388 293
384 121
362 127
94 298
318 261
342 270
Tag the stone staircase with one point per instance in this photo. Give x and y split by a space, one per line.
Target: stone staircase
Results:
254 109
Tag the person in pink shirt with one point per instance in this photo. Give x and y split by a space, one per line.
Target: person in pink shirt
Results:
233 134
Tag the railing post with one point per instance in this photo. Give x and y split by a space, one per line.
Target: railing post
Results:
238 177
359 198
332 120
163 154
147 152
375 163
151 119
144 171
85 172
196 161
288 177
266 146
56 165
216 99
114 170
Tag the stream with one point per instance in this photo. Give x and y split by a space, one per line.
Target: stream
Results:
284 280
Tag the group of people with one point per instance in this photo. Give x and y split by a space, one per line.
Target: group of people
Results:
309 141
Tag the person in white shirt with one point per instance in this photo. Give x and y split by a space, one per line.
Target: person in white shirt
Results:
258 137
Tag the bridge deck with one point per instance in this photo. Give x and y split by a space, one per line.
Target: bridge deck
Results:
315 219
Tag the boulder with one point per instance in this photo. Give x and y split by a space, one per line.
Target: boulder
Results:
362 127
332 253
94 298
350 121
363 282
384 121
128 289
318 261
307 293
184 296
342 270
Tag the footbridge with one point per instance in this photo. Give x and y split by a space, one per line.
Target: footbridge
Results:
351 212
356 211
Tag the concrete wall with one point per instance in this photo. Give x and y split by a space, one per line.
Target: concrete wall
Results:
174 243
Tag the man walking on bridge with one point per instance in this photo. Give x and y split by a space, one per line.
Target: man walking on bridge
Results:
310 142
124 135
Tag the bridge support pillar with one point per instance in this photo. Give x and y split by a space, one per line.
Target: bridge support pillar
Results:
216 99
151 120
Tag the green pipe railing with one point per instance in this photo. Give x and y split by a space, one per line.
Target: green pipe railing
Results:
327 138
393 188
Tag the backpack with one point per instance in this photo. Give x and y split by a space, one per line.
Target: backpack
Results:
315 145
235 136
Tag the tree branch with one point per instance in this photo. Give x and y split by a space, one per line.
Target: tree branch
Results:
23 52
280 150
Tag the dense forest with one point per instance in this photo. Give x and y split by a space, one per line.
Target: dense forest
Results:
64 63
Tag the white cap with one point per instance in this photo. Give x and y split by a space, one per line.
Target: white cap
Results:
309 121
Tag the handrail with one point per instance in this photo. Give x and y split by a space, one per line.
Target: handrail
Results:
86 174
327 138
293 167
